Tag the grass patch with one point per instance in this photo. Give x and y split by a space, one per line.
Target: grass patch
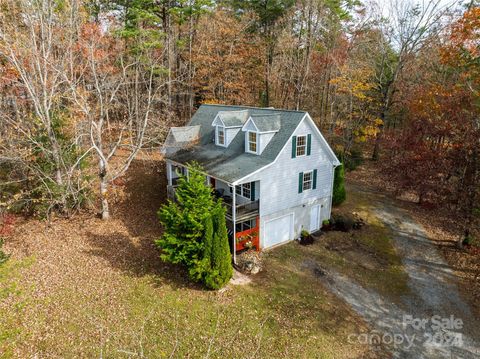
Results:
13 299
366 255
285 312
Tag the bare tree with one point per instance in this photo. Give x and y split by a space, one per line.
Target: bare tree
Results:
116 92
36 40
409 24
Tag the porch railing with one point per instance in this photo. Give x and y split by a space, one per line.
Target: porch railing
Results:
243 211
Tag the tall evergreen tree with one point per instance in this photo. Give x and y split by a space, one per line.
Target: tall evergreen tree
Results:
269 14
184 220
221 261
202 266
339 193
196 231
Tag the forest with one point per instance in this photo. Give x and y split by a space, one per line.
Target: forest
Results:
86 85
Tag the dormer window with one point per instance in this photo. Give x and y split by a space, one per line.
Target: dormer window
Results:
221 135
252 142
227 124
259 130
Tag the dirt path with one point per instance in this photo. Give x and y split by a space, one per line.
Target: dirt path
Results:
412 329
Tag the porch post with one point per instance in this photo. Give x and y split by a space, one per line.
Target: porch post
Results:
169 173
234 214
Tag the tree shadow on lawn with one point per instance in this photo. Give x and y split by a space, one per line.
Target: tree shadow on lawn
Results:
144 191
138 258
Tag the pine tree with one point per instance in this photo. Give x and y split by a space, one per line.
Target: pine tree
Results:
339 193
208 240
184 221
196 232
203 266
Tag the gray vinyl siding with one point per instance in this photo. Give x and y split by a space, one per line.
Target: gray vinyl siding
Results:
262 140
279 182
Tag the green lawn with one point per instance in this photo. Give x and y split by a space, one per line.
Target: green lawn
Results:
366 255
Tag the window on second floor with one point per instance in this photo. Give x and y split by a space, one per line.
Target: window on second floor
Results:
252 142
220 135
244 190
301 145
307 180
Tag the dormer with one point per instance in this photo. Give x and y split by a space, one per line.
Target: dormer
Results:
227 124
259 130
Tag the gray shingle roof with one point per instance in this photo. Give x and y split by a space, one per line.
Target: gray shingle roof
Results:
180 137
233 163
185 134
266 123
233 118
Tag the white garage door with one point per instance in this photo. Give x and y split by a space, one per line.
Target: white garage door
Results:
278 230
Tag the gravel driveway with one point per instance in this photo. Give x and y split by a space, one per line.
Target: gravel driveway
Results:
432 321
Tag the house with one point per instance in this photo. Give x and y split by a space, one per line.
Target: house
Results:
273 169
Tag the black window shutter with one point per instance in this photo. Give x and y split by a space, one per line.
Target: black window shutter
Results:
252 191
300 182
294 146
314 179
309 144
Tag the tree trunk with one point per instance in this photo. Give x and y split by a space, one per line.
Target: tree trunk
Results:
103 193
376 148
56 153
383 116
268 68
105 211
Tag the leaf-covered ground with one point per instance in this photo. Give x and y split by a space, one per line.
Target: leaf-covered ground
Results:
86 288
442 225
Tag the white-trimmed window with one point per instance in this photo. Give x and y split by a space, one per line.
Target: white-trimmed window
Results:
221 135
307 180
244 190
252 142
301 145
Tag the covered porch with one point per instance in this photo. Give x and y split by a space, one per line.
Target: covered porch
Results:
242 203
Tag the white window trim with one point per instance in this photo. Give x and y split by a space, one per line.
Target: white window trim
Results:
242 192
311 181
256 142
217 130
306 145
